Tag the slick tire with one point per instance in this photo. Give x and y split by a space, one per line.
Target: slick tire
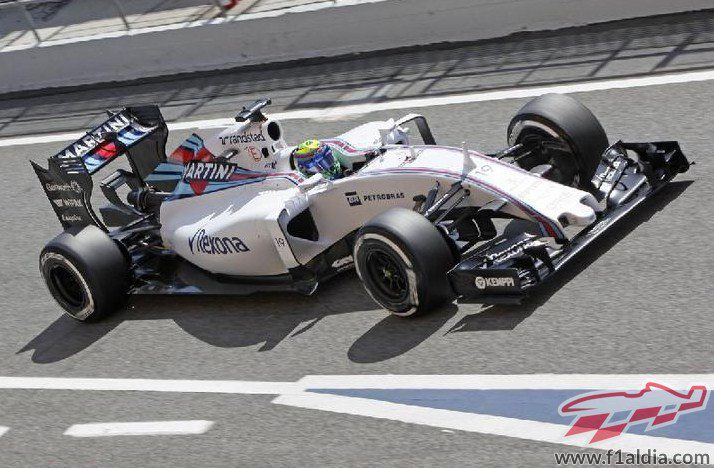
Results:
86 272
557 120
402 260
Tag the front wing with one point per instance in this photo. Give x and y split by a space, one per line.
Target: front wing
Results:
507 269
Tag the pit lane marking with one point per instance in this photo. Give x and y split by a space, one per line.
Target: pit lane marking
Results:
350 394
145 428
150 385
338 112
386 381
488 424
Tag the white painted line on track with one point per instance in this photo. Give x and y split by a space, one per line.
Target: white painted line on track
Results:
38 139
147 428
149 385
3 430
503 382
388 381
313 392
487 424
338 112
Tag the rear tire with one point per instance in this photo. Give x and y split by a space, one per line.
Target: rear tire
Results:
556 120
403 260
86 272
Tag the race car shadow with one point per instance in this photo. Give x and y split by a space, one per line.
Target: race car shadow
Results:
66 337
508 317
262 320
394 336
268 319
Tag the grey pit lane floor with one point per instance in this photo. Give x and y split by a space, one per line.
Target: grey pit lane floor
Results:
249 431
639 303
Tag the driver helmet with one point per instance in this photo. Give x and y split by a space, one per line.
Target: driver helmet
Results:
314 157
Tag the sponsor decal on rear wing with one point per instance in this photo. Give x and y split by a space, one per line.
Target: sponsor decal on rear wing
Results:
103 144
68 186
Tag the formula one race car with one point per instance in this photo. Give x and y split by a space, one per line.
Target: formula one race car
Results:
229 211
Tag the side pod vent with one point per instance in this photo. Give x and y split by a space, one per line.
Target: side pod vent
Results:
303 226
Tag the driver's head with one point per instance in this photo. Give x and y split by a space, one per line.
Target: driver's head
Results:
314 157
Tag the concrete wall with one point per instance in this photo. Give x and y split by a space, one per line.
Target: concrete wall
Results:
322 33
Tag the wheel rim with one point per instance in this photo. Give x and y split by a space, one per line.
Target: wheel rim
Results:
387 275
67 287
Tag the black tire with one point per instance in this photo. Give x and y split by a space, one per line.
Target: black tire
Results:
402 260
560 118
86 272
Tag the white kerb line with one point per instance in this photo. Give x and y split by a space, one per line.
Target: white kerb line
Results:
146 428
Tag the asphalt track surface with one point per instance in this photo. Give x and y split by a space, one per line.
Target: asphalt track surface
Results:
639 302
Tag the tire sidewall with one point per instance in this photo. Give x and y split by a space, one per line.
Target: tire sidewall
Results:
98 264
371 240
53 258
423 253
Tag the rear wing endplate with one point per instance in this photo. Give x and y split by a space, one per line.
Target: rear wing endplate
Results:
68 186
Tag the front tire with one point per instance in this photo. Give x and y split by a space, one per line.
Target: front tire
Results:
86 272
570 138
403 260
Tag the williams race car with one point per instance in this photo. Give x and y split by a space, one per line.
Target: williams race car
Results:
236 210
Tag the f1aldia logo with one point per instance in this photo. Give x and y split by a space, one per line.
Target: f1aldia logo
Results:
214 245
608 414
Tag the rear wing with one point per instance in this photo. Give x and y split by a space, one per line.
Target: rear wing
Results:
139 132
117 135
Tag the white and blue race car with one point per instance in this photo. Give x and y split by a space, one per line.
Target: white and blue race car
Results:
229 213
